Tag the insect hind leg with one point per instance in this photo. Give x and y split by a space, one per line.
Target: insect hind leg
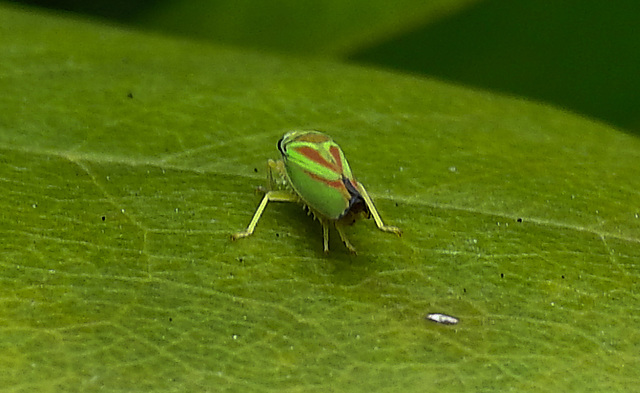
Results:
270 196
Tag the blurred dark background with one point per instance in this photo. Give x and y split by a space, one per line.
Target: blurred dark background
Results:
580 55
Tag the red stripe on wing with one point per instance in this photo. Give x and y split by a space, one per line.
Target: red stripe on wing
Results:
335 152
337 184
315 156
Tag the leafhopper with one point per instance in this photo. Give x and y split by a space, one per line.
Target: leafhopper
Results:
314 172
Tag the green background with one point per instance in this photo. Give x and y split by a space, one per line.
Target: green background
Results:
128 157
575 54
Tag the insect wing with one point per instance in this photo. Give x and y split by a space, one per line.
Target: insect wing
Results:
318 172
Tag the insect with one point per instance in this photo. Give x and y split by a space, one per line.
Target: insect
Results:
314 172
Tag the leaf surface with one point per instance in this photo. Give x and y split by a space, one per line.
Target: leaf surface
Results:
127 160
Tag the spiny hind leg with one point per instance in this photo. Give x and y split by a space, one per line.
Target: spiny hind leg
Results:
271 196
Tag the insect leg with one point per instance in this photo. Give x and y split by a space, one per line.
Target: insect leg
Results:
346 242
272 181
271 196
271 166
374 213
325 236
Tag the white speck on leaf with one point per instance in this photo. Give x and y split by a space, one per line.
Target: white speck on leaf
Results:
443 319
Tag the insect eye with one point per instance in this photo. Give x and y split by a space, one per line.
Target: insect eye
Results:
280 146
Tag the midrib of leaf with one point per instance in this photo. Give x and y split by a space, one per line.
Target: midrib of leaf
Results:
166 164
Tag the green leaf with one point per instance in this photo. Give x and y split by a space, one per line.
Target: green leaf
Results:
127 160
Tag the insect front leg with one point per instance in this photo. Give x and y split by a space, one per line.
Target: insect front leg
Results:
374 213
275 173
270 196
272 179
